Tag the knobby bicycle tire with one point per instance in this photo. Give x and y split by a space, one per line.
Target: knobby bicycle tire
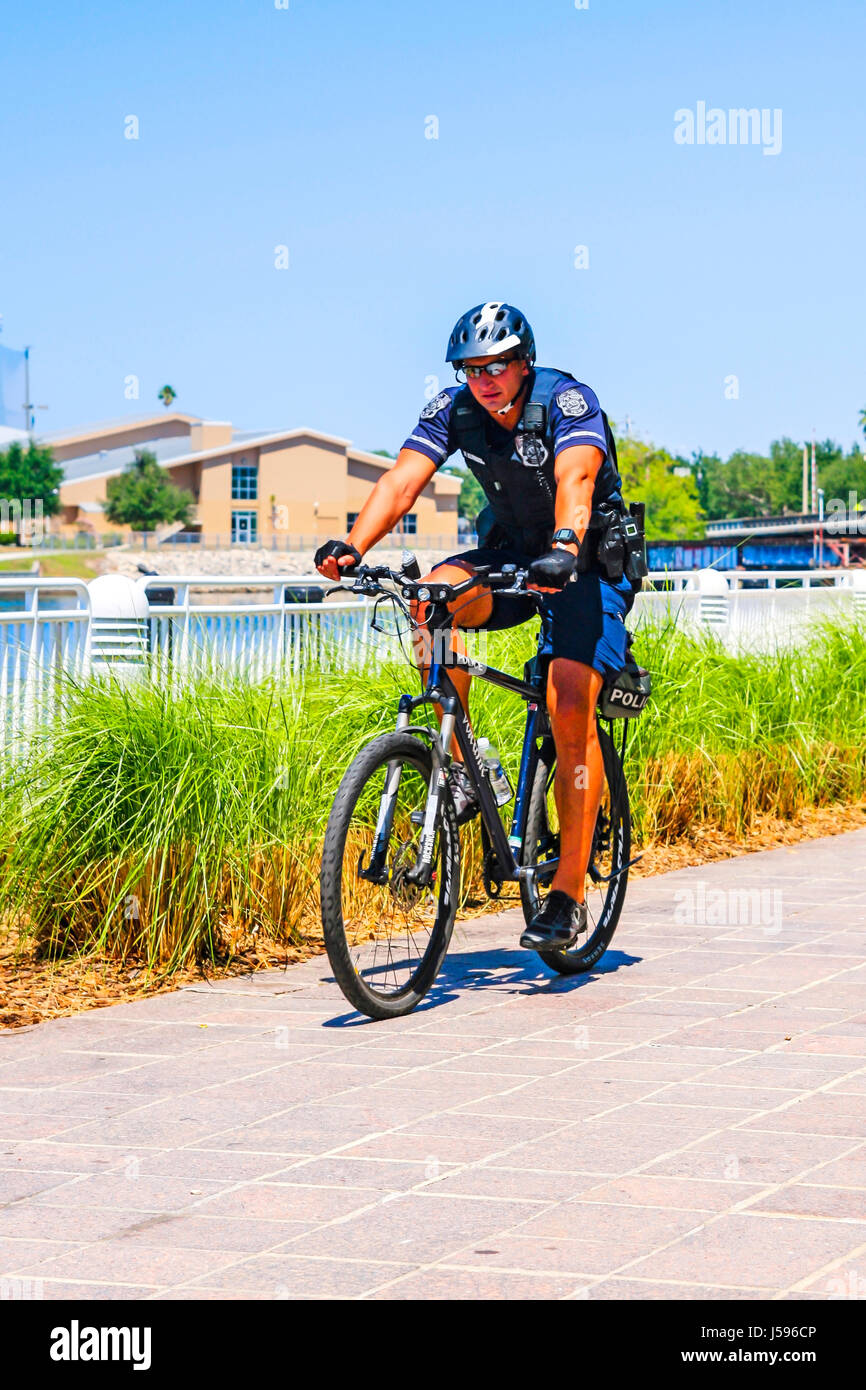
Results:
370 764
587 952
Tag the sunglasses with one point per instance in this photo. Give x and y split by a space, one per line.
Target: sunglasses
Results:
492 369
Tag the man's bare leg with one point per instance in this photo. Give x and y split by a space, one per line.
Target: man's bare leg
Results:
572 694
471 610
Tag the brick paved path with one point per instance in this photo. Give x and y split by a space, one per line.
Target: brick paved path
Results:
687 1123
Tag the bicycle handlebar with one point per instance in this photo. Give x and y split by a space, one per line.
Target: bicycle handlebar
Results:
509 580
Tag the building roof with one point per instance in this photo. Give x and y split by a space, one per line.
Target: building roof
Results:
116 460
120 422
8 435
175 451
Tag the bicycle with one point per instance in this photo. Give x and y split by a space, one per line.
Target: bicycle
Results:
390 875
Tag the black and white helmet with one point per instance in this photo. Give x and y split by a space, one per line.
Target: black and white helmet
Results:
489 329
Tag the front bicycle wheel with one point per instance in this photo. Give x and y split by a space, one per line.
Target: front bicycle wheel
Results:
386 938
607 875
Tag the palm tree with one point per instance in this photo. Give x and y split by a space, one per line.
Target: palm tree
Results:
167 395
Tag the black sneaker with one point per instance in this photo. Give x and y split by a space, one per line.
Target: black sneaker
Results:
557 925
463 794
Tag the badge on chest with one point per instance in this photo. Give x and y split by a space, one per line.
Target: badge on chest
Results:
531 450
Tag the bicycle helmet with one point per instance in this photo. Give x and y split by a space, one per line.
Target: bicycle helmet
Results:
489 329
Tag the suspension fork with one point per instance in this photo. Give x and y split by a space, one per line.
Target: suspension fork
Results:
421 871
377 869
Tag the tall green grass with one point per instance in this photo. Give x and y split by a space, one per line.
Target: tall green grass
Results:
729 738
170 827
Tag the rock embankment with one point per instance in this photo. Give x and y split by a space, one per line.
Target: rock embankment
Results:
251 560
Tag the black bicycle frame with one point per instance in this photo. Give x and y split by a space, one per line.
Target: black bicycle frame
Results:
440 690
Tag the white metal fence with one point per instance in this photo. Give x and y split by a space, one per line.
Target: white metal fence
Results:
755 611
758 580
259 638
44 641
51 629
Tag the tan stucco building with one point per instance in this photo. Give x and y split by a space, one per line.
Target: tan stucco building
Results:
248 487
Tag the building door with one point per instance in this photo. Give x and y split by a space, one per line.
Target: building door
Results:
244 528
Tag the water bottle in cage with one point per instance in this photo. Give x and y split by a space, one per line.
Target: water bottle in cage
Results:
499 782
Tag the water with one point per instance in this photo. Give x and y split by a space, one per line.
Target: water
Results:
12 602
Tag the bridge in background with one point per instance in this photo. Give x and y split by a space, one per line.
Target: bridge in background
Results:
808 540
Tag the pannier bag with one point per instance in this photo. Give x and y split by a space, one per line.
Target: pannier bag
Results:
625 695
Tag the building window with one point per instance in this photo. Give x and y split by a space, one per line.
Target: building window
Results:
245 527
410 524
245 482
351 518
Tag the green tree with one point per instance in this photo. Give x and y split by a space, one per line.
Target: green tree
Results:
31 473
144 496
760 485
786 460
471 498
745 485
673 504
703 467
840 473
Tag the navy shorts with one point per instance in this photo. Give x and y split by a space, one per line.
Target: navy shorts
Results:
587 617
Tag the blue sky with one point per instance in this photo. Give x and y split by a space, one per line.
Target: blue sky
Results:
305 127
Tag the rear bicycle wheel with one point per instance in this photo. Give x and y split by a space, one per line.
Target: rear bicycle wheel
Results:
611 849
386 940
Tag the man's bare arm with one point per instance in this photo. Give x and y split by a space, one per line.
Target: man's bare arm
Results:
575 471
393 496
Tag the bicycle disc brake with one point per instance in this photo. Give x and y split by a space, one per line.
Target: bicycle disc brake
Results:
402 888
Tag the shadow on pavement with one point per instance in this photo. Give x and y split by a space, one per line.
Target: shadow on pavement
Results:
514 971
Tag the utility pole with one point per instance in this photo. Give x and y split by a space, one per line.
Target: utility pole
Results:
805 492
821 527
29 408
28 405
814 477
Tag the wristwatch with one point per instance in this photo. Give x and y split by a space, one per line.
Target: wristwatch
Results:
565 536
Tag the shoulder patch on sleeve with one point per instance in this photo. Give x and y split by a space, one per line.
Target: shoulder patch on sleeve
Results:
433 407
571 402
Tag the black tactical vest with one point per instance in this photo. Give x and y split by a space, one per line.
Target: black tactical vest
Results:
516 470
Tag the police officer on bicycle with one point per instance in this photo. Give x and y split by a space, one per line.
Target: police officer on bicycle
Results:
541 447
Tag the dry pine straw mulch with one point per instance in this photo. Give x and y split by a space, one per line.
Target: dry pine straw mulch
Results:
33 990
